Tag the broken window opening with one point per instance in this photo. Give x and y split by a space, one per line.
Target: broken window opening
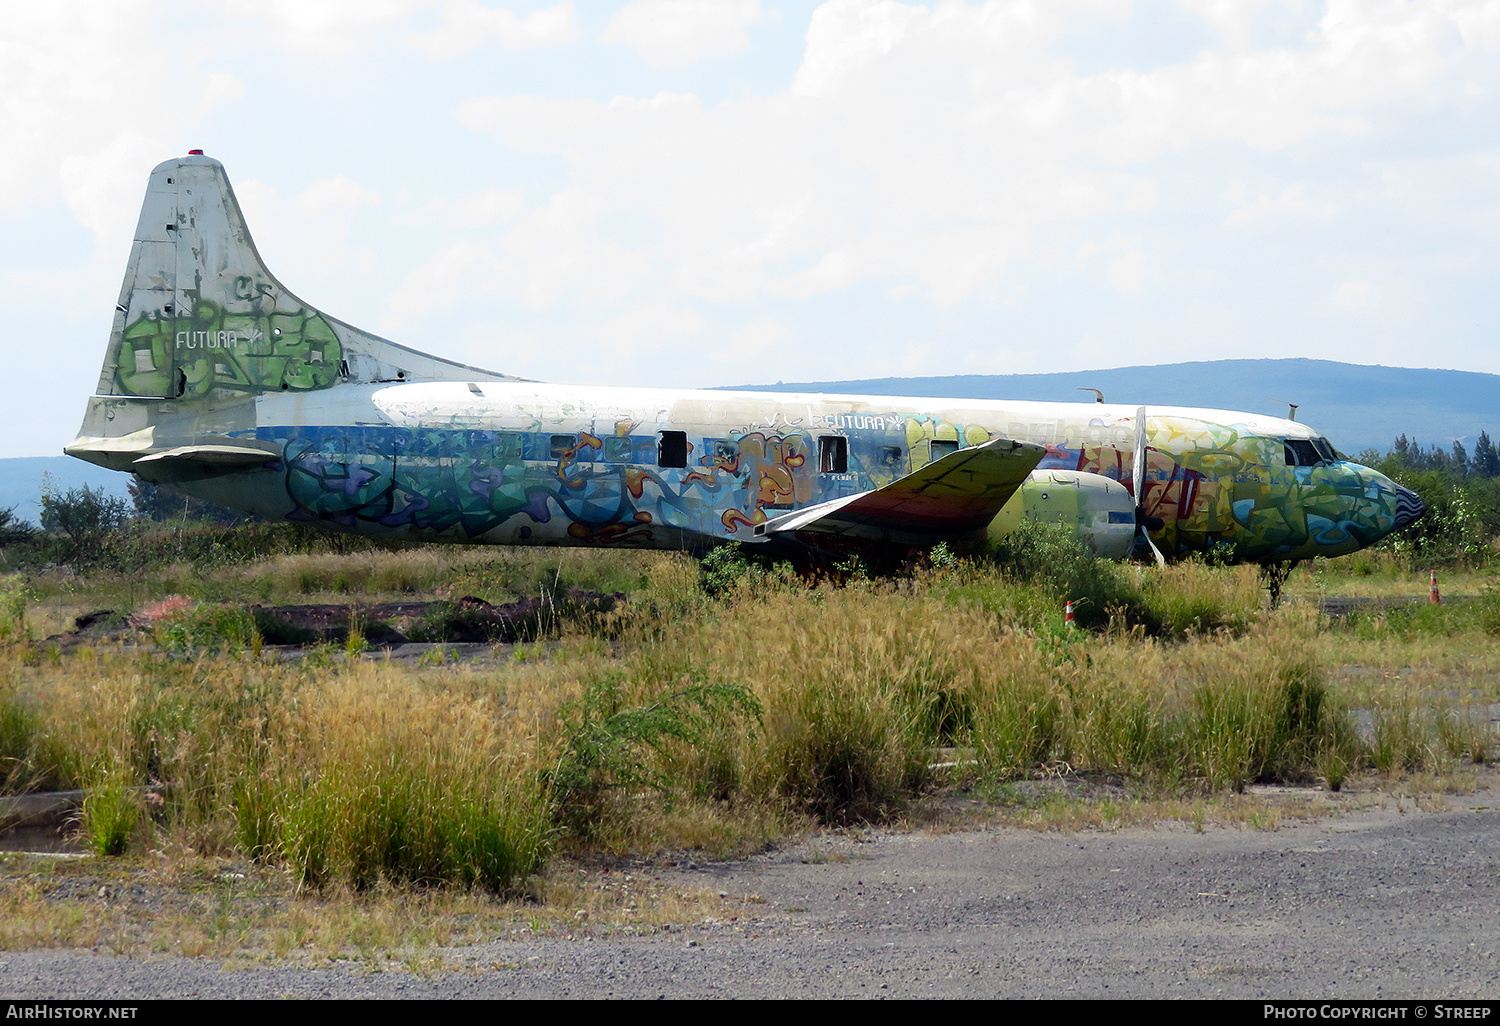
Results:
671 449
833 454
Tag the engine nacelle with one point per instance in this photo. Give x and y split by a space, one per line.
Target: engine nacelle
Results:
1100 510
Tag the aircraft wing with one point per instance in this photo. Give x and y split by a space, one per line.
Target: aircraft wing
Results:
951 498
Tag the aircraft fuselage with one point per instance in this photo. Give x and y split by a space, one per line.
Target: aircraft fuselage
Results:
221 383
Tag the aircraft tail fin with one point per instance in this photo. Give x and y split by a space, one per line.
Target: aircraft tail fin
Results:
200 316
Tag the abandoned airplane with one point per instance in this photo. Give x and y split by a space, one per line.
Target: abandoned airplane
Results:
221 384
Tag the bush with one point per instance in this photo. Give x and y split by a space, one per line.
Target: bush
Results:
1051 555
185 628
15 594
14 530
607 746
88 519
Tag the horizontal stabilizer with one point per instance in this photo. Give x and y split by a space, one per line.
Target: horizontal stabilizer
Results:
225 457
952 498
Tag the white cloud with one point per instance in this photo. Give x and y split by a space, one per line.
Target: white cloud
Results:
847 36
77 80
1354 297
490 207
654 322
460 270
942 145
1478 21
468 24
673 34
304 240
103 188
335 196
752 340
1127 274
1230 18
328 28
1291 200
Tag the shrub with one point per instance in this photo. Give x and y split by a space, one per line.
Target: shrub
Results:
13 530
607 746
87 517
183 628
15 595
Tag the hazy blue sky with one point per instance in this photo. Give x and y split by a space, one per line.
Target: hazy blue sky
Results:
702 192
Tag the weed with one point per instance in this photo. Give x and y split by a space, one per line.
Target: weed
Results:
15 595
112 813
605 742
183 628
1401 737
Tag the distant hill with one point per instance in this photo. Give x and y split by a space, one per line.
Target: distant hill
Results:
1355 406
21 481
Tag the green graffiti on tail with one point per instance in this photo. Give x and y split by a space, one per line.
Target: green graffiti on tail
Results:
283 351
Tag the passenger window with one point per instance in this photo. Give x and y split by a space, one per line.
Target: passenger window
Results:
725 449
889 457
671 449
833 454
508 446
618 449
561 445
943 447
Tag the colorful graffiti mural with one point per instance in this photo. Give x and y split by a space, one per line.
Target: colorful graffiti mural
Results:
290 413
1219 487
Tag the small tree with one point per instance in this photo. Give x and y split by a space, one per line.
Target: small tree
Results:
86 516
13 529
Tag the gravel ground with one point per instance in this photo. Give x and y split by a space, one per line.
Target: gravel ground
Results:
1377 904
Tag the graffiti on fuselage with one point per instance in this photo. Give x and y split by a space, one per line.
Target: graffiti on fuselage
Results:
1208 484
278 351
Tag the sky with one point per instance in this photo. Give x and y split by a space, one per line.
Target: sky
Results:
712 192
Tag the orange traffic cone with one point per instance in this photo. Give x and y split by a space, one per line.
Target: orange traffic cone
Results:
1432 591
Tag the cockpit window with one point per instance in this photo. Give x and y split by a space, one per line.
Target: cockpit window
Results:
1305 452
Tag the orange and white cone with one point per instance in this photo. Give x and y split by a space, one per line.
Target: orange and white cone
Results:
1068 616
1432 590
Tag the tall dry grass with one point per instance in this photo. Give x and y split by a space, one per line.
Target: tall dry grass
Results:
366 778
775 701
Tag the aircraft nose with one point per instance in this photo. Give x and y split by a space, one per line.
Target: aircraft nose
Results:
1409 507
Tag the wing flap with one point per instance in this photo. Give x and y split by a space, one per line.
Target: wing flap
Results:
951 498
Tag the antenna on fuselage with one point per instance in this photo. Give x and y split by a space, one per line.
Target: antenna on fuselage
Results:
1292 408
1098 395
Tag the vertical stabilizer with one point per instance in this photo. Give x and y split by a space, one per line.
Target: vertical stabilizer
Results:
200 316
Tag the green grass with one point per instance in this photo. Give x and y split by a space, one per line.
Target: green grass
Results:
711 708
